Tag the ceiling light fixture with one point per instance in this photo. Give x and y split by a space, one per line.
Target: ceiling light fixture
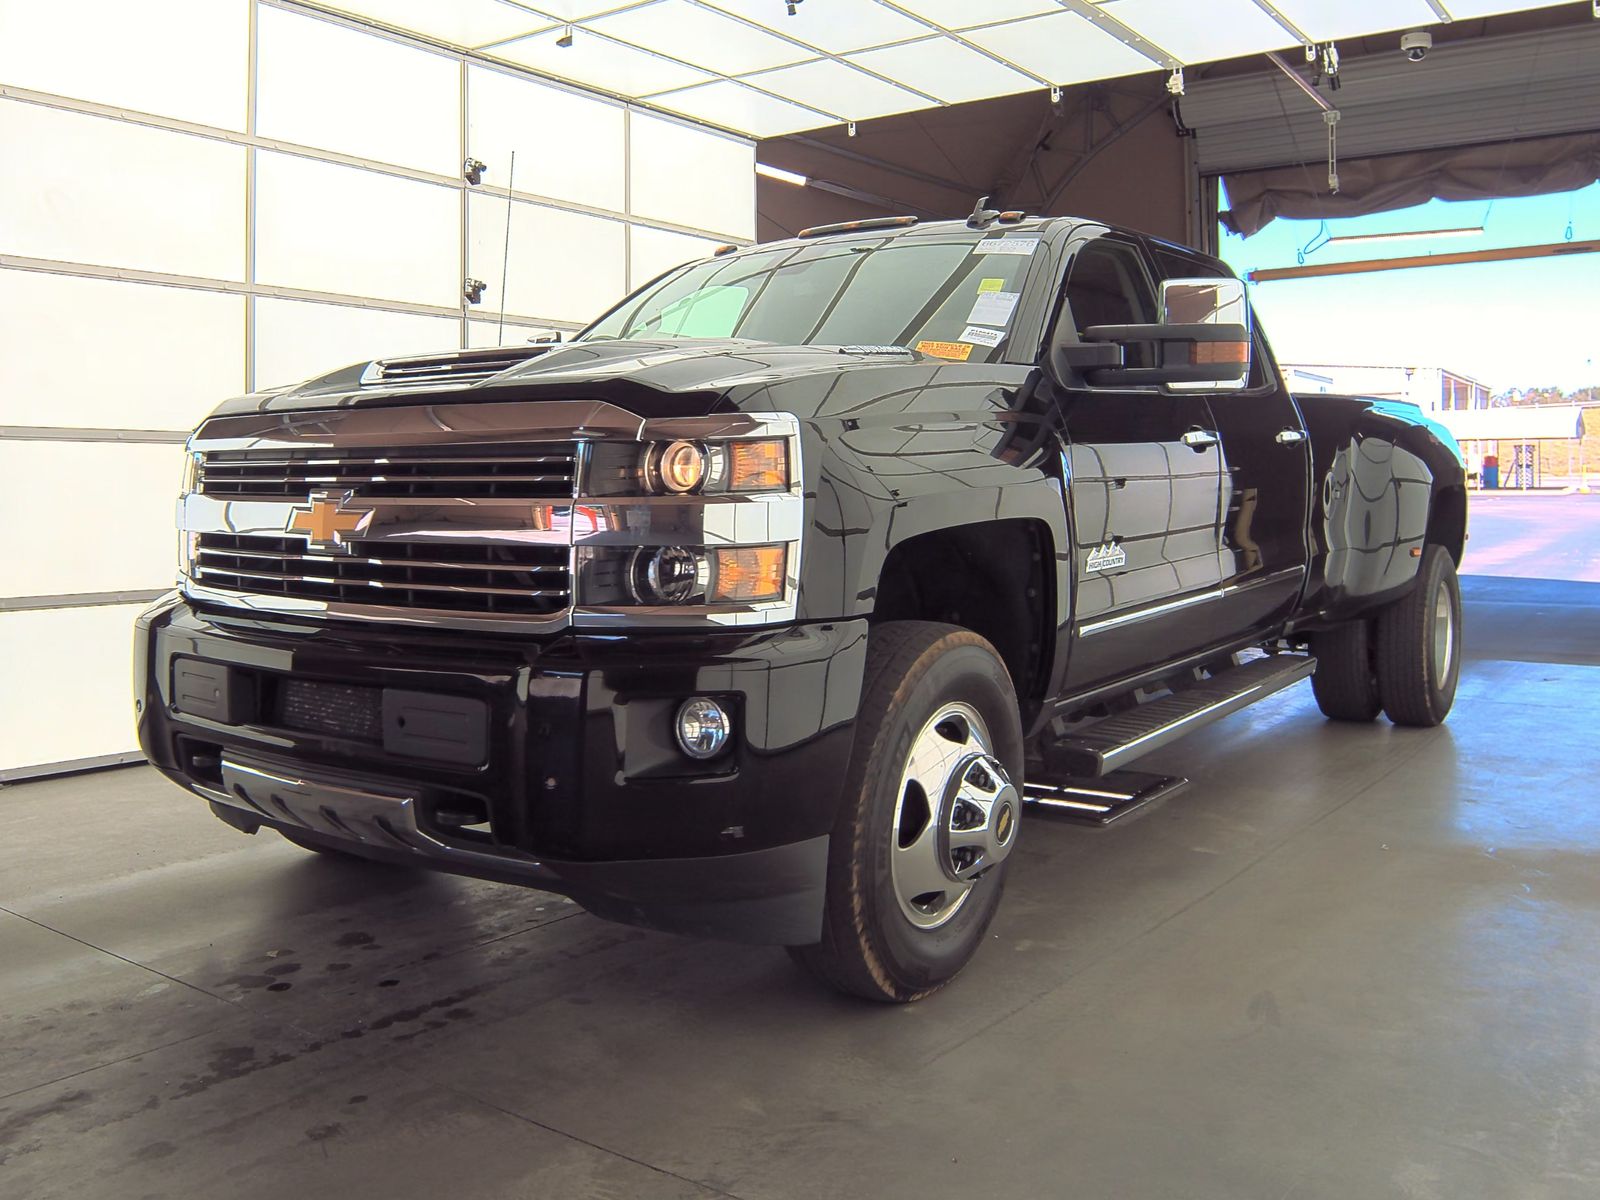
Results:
1407 235
781 175
565 40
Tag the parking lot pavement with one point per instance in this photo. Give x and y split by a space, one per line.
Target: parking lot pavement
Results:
1533 535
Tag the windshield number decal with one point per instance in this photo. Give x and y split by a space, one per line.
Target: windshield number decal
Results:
1006 245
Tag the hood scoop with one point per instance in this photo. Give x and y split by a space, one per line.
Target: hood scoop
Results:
458 366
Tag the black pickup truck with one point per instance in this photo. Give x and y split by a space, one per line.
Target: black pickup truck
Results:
764 608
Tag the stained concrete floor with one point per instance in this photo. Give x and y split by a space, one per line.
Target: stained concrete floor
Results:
1349 962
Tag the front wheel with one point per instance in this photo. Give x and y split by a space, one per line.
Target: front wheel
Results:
1419 645
929 815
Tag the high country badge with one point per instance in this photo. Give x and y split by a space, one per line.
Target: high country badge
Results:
1106 558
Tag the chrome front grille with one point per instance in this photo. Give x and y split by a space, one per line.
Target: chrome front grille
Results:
499 579
534 471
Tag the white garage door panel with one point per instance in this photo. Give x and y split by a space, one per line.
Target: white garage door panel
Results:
175 58
563 266
656 250
568 147
324 85
101 517
177 352
1468 93
67 693
685 177
340 229
297 339
93 190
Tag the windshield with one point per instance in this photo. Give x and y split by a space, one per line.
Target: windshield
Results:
953 297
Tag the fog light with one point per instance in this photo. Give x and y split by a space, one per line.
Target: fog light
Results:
703 727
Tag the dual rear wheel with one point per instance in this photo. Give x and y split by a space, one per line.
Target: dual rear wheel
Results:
1405 662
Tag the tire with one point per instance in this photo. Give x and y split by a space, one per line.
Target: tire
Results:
1419 645
1345 682
928 817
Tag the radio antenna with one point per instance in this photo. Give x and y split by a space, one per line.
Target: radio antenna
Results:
505 257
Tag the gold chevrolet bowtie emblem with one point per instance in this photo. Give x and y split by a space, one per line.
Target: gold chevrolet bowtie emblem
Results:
328 524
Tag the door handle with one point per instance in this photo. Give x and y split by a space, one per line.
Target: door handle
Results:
1290 437
1199 439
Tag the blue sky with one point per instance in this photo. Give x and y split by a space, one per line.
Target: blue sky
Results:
1526 323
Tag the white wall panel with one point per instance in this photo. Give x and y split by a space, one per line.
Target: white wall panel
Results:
563 266
177 352
176 58
569 147
66 693
487 333
105 514
297 339
96 190
328 86
686 177
653 251
342 229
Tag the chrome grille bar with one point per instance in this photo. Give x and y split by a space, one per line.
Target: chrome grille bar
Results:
543 472
479 578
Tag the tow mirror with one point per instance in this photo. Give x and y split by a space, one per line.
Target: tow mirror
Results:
1202 343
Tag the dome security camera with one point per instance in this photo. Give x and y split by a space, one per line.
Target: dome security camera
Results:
1416 44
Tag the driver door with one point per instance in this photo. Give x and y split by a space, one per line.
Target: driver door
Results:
1144 479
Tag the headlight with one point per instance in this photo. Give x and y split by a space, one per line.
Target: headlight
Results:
666 576
687 468
674 467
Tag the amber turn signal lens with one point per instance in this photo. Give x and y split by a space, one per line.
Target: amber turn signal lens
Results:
748 574
1209 353
758 466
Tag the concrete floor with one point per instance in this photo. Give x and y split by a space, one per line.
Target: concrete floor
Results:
1347 963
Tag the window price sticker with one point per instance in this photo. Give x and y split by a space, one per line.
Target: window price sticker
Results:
983 337
993 308
956 351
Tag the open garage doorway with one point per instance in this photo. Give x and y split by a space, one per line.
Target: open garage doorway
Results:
1501 352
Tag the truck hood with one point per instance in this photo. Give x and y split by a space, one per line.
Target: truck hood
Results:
651 378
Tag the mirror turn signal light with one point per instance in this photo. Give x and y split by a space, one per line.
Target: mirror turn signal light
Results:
1209 353
758 466
746 574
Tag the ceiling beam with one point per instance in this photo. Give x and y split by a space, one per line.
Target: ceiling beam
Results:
1366 265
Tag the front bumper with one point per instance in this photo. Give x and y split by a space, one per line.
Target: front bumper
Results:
574 785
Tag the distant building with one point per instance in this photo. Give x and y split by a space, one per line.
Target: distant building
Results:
1432 389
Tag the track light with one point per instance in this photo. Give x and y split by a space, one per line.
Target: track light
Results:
781 175
565 40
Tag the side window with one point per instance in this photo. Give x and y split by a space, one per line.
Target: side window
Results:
1107 285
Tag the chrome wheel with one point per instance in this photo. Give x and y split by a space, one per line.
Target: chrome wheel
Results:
955 816
1444 633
